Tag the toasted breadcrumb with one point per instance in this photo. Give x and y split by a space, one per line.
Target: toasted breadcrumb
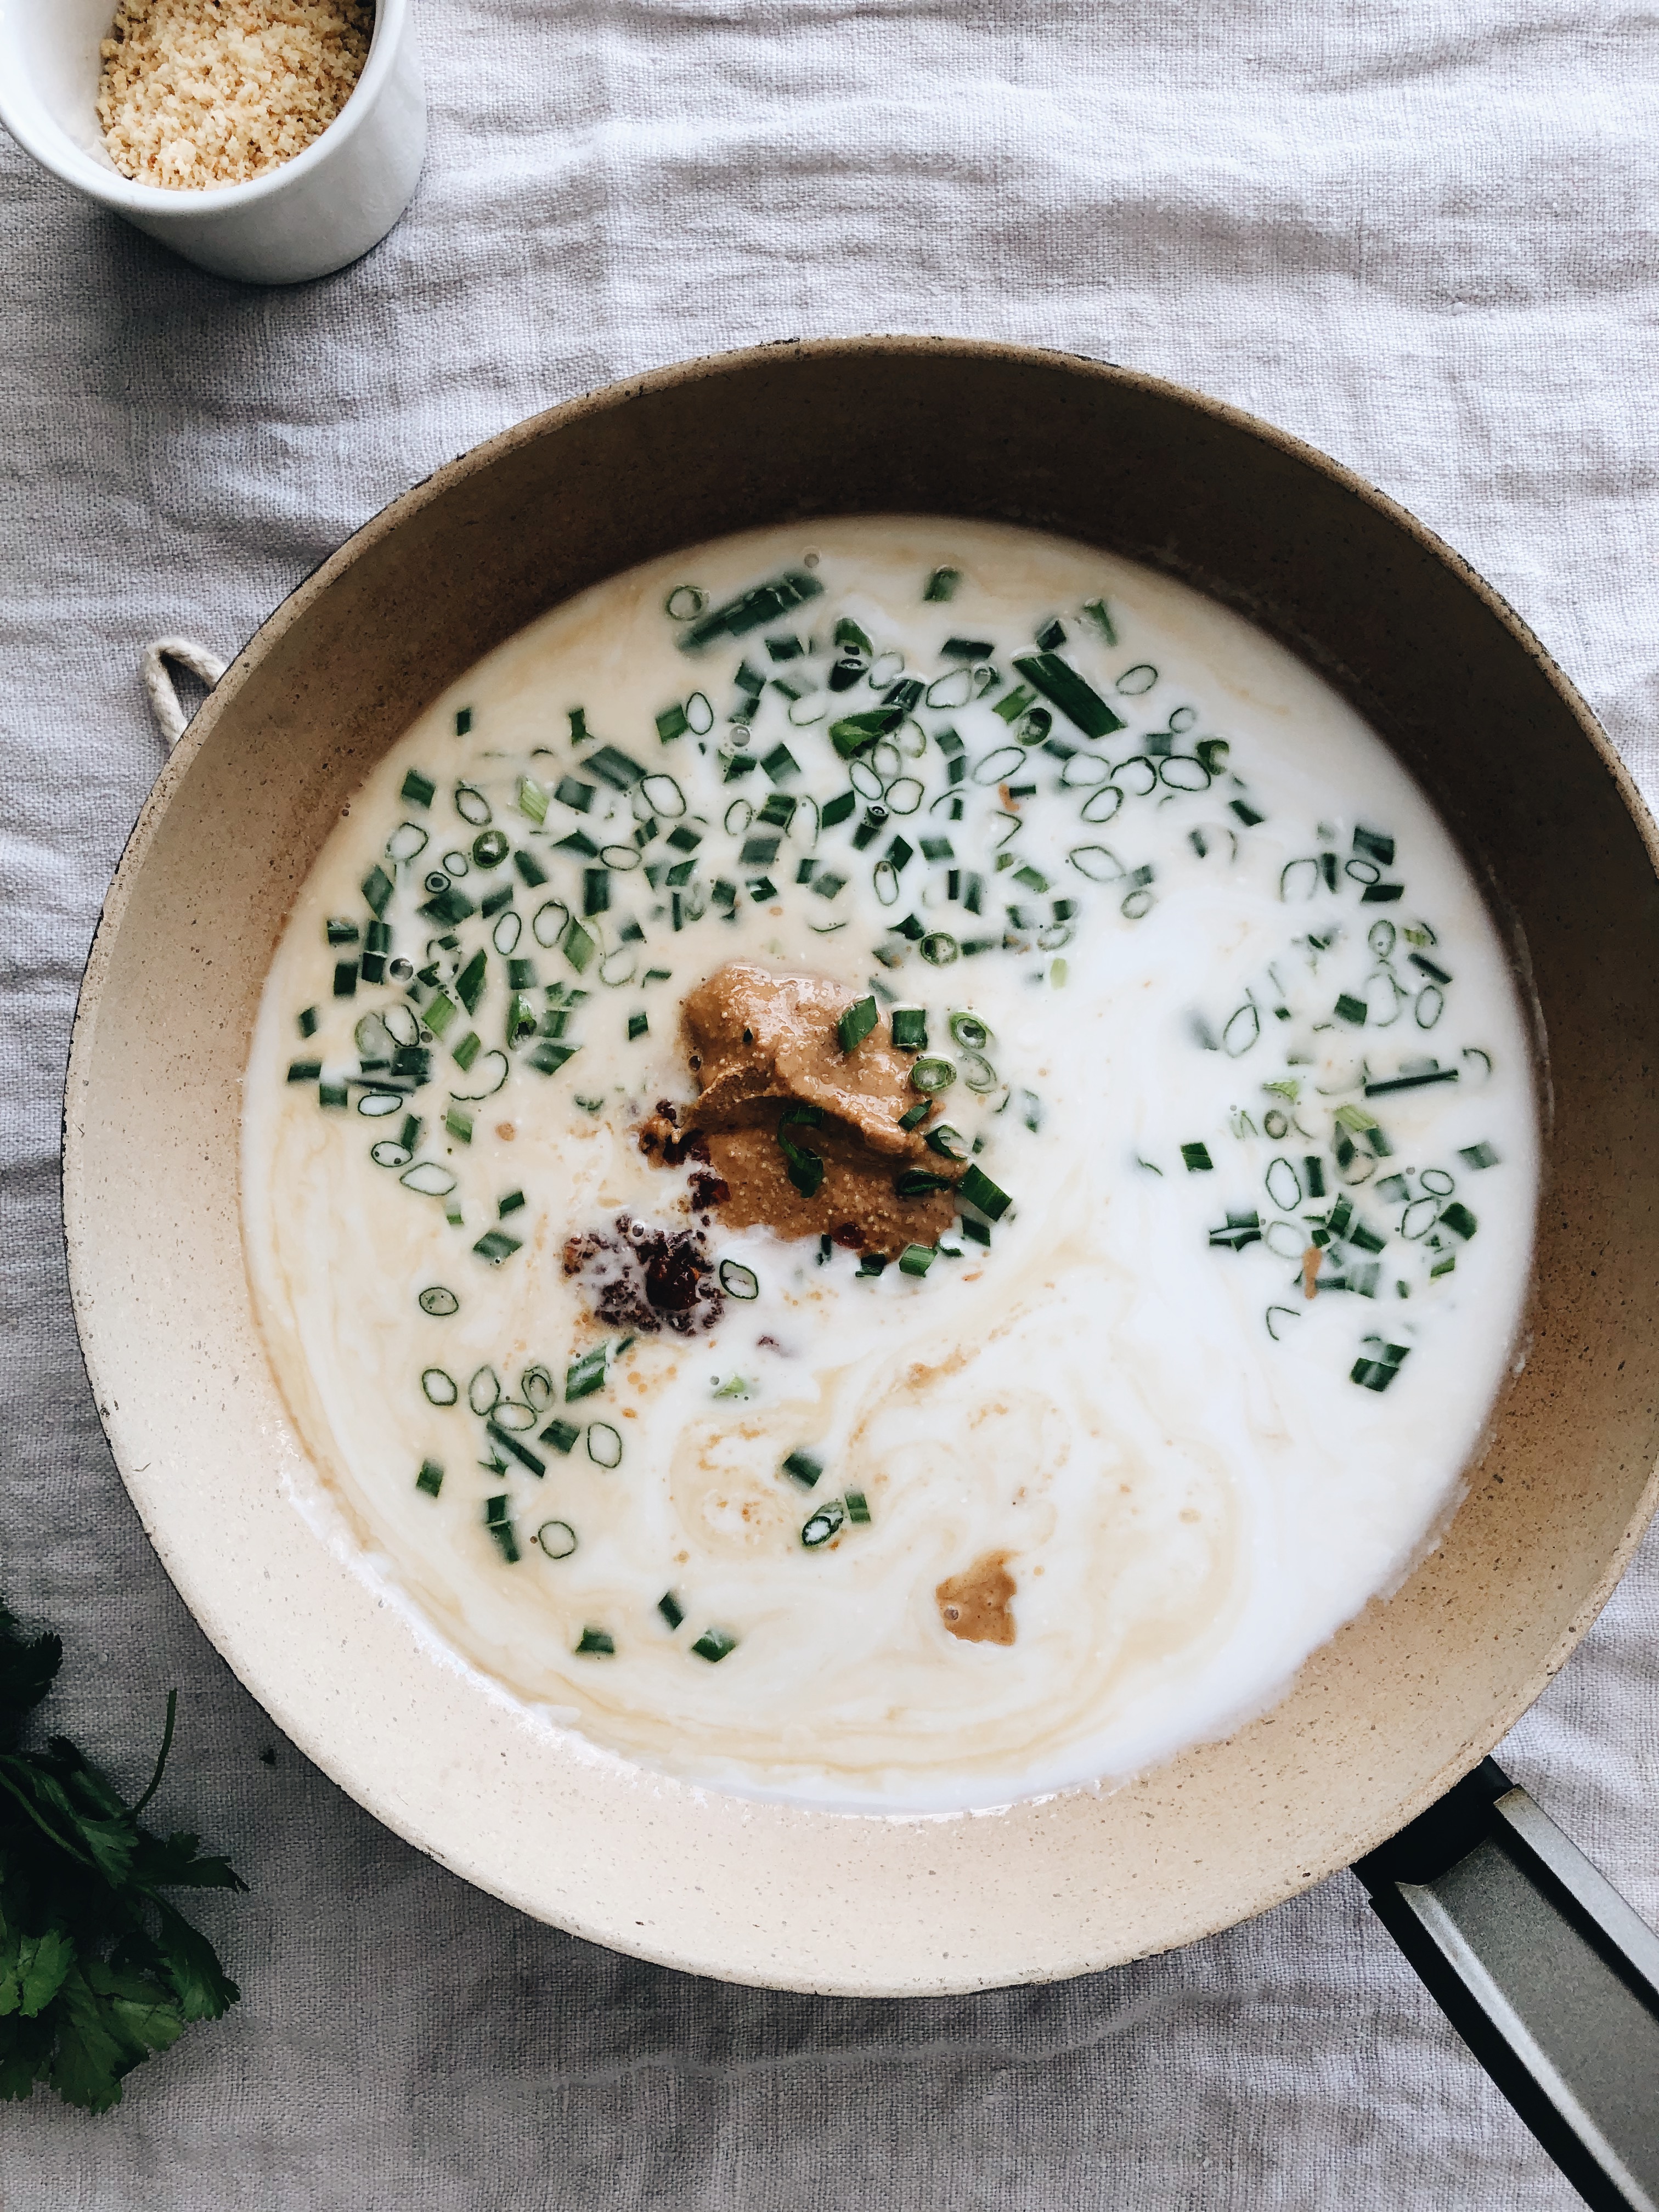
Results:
195 92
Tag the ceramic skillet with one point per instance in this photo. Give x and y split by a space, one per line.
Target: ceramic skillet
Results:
1382 1722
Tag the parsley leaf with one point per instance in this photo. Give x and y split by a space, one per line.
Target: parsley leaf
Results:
98 1970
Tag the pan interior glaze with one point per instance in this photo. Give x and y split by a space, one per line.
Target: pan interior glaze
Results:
1405 1698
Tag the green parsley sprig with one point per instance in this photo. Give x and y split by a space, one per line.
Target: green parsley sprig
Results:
98 1971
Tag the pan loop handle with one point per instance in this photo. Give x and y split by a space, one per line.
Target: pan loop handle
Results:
160 688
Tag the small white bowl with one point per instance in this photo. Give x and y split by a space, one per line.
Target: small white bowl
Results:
312 214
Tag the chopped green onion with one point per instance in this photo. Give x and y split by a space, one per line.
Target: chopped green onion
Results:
1350 1009
1076 698
913 1116
345 979
978 1189
942 584
604 1444
1479 1156
823 1525
439 1388
586 1374
1414 1082
910 1027
378 887
561 1435
459 1125
1457 1217
417 789
837 810
332 1094
638 1025
463 721
751 610
805 1168
595 1643
941 1138
1376 1372
806 1467
938 948
1099 616
671 1608
858 1508
1197 1158
496 1245
684 603
917 1259
872 1263
738 1281
504 1440
430 1477
930 1074
713 1646
430 1179
304 1071
438 1301
557 1538
855 1023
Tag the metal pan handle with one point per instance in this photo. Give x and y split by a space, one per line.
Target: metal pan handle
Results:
1543 1969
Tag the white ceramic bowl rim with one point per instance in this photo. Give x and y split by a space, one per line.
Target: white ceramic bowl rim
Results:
27 120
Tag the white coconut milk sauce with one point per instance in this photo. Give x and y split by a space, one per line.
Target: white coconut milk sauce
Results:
1195 1472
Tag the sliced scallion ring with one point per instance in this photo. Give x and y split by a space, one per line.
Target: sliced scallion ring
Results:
684 603
406 841
439 1387
389 1153
1182 772
905 794
438 1300
557 1538
1137 775
1085 772
699 715
622 858
472 806
823 1525
509 928
483 1392
487 1074
864 780
513 1414
538 1389
930 1073
738 1281
455 864
1097 863
955 690
429 1178
548 922
490 849
739 816
1101 805
997 767
938 948
805 714
886 760
663 795
375 1105
978 1073
886 669
1138 679
604 1444
402 1024
969 1032
886 883
372 1038
619 966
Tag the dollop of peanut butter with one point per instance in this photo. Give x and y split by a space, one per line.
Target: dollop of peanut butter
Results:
974 1604
760 1043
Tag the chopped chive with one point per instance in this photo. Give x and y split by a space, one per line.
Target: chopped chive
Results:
595 1643
304 1071
504 1440
459 1125
913 1116
345 979
468 1051
713 1646
307 1021
976 1231
978 1189
1076 698
804 1465
638 1026
919 1182
463 721
560 1434
604 1444
378 887
1350 1009
671 1608
557 1538
1372 847
431 1476
910 1027
942 585
779 763
751 610
496 1245
589 1373
1479 1156
1410 1082
672 723
805 1168
932 1074
1457 1217
837 810
872 1263
1099 616
858 1508
332 1094
1375 1373
917 1259
1197 1158
855 1023
942 1138
438 1301
419 790
341 933
439 1387
823 1525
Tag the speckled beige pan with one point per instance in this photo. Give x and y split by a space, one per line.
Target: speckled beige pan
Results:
1400 1703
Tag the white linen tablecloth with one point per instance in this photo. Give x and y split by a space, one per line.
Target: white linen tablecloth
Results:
1421 235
